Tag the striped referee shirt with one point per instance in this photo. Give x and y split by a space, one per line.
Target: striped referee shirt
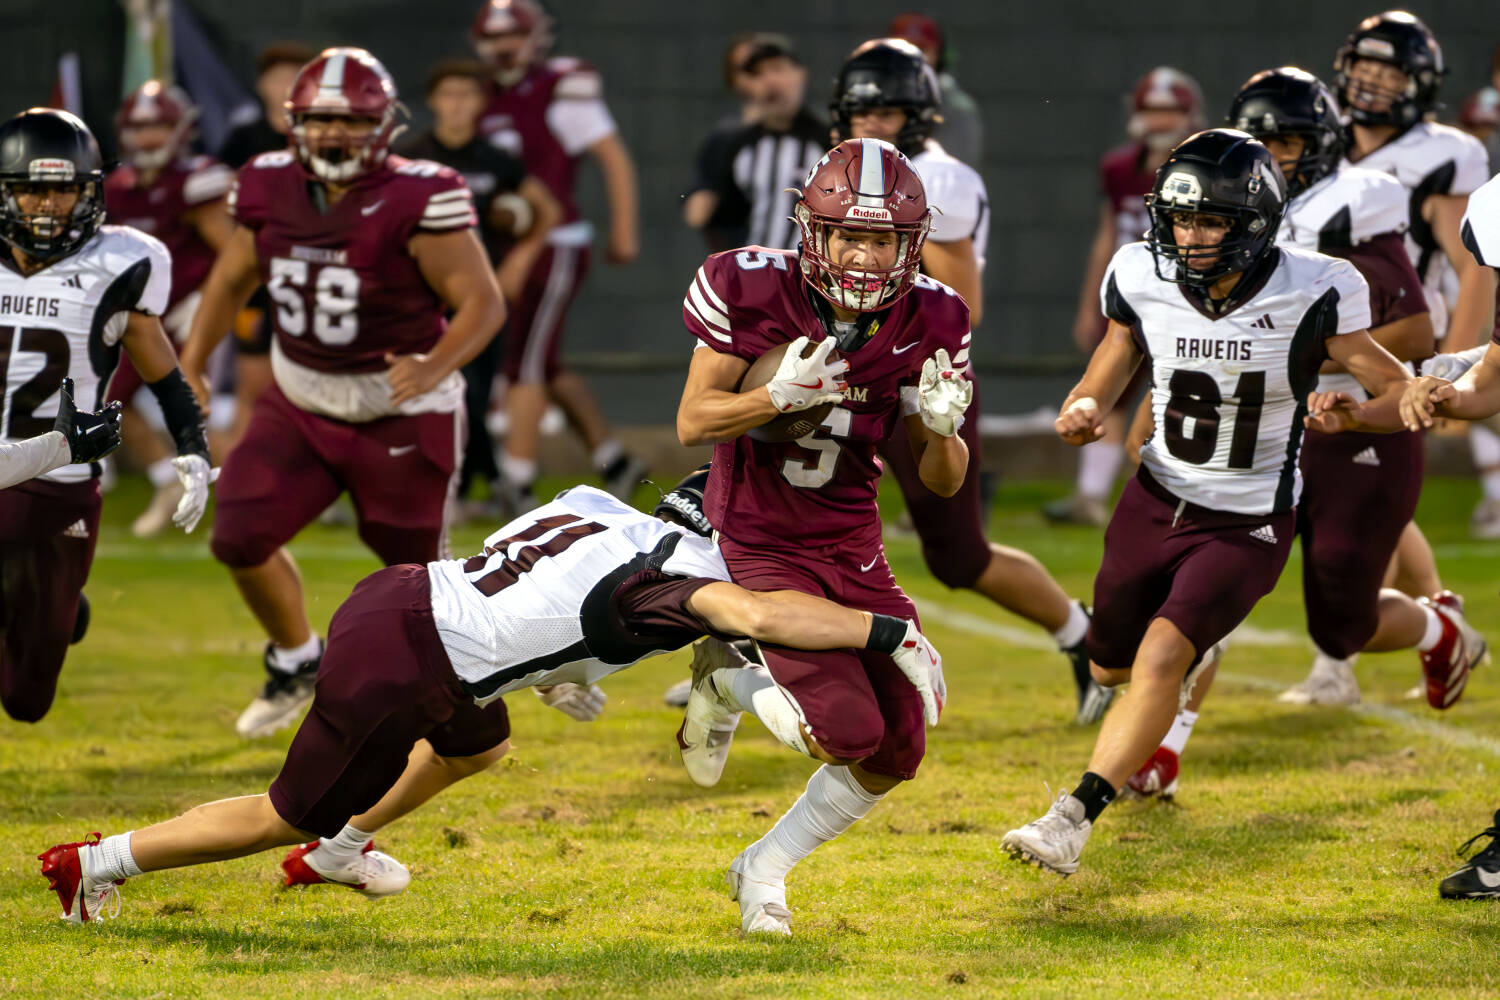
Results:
751 170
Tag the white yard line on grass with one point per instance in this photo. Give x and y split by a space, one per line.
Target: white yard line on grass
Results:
1248 635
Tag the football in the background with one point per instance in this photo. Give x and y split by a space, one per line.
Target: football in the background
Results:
786 426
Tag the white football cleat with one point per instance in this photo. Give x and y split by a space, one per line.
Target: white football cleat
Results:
677 695
762 901
708 724
373 873
1053 842
282 698
1330 682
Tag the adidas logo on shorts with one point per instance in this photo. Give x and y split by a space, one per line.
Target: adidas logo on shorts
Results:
1265 534
77 530
1366 457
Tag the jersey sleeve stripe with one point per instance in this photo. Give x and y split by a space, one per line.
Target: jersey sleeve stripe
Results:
964 342
712 317
206 185
459 222
708 290
961 359
445 211
456 194
687 303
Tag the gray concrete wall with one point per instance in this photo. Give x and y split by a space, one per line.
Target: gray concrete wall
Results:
1049 77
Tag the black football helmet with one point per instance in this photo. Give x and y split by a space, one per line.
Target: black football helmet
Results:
888 73
684 505
1220 172
44 146
1401 39
1291 101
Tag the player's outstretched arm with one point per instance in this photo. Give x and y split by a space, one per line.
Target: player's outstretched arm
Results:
455 266
620 189
1081 419
711 410
225 291
955 264
1382 376
151 353
802 621
1086 320
1474 396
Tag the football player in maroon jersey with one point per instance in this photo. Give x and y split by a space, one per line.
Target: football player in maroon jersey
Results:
162 189
1166 107
802 515
363 254
550 112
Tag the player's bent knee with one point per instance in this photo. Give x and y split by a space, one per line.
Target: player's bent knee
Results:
956 569
241 551
463 767
1105 677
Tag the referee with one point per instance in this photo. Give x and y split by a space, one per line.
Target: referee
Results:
755 164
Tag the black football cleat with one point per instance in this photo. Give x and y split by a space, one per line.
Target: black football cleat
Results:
1479 878
80 620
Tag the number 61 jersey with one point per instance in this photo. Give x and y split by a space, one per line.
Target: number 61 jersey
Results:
67 319
344 286
1228 393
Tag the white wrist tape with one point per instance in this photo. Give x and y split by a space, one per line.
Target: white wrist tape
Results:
1083 403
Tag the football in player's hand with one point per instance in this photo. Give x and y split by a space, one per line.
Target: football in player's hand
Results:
785 426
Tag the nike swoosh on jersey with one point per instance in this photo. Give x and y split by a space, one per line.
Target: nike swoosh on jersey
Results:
372 209
867 566
402 450
901 350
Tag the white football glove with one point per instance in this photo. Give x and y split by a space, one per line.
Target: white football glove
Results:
922 665
194 475
801 383
1450 367
574 700
943 395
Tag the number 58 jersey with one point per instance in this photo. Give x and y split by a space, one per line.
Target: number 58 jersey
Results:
1228 392
344 286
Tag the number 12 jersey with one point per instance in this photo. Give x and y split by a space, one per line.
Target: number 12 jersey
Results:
1228 392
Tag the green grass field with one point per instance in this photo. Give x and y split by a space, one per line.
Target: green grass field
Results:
1301 859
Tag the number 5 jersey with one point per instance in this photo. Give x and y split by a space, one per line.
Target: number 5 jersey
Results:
344 286
1228 392
67 319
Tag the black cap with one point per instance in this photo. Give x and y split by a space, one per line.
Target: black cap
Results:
768 46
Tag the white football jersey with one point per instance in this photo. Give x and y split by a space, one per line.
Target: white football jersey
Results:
534 607
1431 159
957 192
67 319
1350 206
1229 392
1481 225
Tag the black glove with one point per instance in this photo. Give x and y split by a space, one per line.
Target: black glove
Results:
90 436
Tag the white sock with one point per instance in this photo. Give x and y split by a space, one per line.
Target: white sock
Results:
834 800
754 690
1182 728
161 473
1097 467
110 859
343 848
605 455
1434 630
519 472
288 658
1484 445
1076 627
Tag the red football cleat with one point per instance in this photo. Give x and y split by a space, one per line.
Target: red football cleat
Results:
373 873
1447 665
1158 776
82 898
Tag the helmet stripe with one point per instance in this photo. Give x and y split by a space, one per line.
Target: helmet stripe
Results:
871 191
333 76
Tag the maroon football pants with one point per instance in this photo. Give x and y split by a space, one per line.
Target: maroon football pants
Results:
47 536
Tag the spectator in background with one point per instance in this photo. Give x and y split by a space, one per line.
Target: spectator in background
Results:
724 223
551 112
759 161
962 130
516 212
1166 107
275 68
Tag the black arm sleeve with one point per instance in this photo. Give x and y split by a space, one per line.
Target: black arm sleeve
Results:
180 408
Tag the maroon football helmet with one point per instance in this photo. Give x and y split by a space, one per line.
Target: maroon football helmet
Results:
867 185
154 103
347 83
1165 89
510 35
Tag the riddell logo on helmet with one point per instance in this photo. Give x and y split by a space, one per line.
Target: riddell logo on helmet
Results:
868 214
1375 48
50 170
